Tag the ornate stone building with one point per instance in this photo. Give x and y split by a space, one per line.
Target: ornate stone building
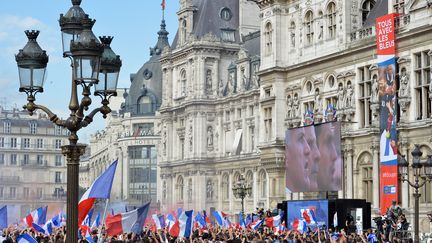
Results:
226 105
131 136
32 167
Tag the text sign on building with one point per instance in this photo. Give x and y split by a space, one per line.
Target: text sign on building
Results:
386 50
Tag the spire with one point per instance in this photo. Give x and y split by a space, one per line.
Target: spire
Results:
162 35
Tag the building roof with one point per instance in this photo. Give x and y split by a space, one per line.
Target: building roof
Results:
251 43
148 79
380 8
207 19
21 118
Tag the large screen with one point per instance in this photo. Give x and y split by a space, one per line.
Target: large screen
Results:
313 160
302 214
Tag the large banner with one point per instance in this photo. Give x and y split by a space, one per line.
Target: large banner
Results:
313 160
313 214
387 96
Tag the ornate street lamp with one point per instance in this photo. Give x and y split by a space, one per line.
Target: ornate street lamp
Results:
420 179
242 190
85 52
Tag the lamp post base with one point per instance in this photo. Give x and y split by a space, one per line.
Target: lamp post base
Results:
73 154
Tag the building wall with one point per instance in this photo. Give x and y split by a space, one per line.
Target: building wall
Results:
32 168
334 66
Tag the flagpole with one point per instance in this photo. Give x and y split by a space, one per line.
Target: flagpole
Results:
103 220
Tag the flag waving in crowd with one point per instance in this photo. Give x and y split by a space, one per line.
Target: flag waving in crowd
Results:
101 188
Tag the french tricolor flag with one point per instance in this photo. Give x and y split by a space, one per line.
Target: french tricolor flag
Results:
255 225
220 217
101 188
309 216
131 221
185 223
299 225
273 221
169 221
25 238
38 217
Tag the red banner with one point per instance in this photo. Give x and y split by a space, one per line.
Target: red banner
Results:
386 48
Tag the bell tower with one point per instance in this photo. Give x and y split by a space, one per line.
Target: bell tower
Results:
186 20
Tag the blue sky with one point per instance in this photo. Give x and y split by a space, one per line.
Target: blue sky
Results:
133 23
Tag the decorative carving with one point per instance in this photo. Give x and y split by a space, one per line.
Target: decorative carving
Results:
221 88
349 99
209 82
230 84
190 136
289 103
210 137
296 106
374 95
209 190
341 97
164 140
318 108
404 84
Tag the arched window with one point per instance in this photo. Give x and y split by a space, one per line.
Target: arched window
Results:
331 17
182 83
180 188
145 105
365 164
367 6
263 183
309 27
268 35
183 31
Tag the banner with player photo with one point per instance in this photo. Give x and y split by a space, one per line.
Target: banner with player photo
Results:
385 39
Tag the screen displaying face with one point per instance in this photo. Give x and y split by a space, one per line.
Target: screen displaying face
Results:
313 160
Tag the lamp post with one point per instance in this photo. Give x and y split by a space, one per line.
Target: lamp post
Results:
242 190
89 59
420 179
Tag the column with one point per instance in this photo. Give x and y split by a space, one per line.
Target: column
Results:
215 84
255 188
376 175
231 199
349 172
404 146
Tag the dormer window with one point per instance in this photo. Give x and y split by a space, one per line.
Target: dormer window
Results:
183 31
228 35
366 8
7 127
33 127
226 14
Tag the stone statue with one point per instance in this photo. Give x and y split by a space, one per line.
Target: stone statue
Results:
210 137
190 138
230 84
255 79
341 98
221 88
374 95
404 83
321 30
164 191
296 106
318 108
293 41
289 104
209 82
209 190
164 141
349 99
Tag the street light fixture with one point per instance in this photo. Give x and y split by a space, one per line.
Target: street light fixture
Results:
242 190
89 58
420 179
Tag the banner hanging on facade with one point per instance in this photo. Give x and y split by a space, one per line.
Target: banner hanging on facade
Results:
386 50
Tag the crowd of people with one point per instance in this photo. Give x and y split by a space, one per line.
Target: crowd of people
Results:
395 219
